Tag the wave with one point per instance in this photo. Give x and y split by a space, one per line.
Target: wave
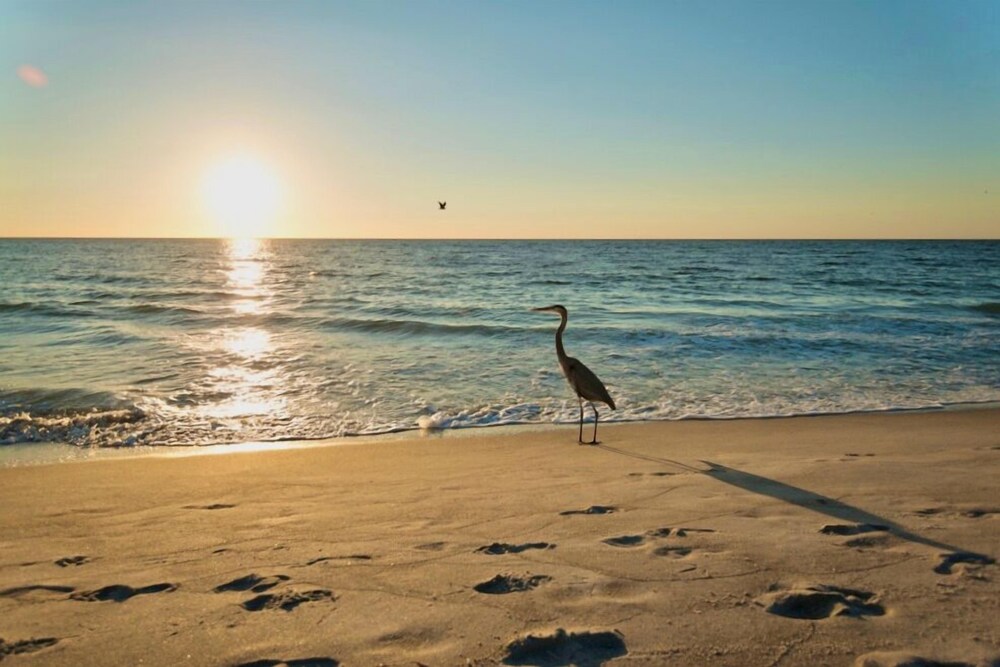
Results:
117 279
417 327
697 269
55 401
101 278
82 428
220 295
45 309
23 306
542 414
132 426
73 416
156 309
990 308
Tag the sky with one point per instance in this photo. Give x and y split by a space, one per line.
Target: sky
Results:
531 119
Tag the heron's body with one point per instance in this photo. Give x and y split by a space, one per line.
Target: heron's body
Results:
583 381
586 385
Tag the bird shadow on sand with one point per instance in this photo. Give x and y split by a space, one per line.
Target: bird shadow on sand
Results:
818 503
838 510
653 459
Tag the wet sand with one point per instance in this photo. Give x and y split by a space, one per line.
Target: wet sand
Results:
847 540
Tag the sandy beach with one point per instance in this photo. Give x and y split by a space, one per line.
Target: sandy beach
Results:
302 305
843 540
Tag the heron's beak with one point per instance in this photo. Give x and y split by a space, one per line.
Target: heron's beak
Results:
545 309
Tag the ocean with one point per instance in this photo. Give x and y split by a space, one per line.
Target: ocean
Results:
177 342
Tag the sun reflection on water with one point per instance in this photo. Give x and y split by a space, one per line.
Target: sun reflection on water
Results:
247 268
248 307
249 393
247 378
244 248
245 274
248 343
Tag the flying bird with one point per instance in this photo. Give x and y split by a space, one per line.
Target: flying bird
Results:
586 385
442 205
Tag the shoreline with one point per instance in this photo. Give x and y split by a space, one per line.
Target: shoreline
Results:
847 539
47 453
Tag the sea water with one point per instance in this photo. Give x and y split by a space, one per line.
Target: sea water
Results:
162 342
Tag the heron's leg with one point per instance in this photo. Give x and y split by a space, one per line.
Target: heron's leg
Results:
580 438
596 416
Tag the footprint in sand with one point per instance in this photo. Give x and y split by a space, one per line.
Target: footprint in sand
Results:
431 546
72 560
881 540
672 552
929 511
511 583
252 583
503 548
298 662
904 659
651 474
972 513
287 600
121 592
968 562
583 649
284 600
852 529
863 542
216 506
626 541
818 601
25 645
593 509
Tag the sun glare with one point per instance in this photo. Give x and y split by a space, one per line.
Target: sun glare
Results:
243 195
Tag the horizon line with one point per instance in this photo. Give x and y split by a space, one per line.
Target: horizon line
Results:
489 239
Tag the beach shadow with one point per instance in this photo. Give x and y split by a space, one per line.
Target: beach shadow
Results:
653 459
838 510
818 503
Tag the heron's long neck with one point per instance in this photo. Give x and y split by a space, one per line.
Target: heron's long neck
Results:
560 351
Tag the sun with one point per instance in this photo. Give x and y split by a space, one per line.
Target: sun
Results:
243 195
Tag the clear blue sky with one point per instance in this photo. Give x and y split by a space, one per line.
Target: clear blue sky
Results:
552 119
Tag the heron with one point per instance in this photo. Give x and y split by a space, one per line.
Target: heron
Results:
442 205
586 385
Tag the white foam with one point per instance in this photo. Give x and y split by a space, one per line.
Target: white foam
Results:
438 420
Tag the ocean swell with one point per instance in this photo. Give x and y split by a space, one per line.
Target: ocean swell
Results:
165 342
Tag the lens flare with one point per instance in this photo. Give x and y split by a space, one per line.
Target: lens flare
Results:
32 76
